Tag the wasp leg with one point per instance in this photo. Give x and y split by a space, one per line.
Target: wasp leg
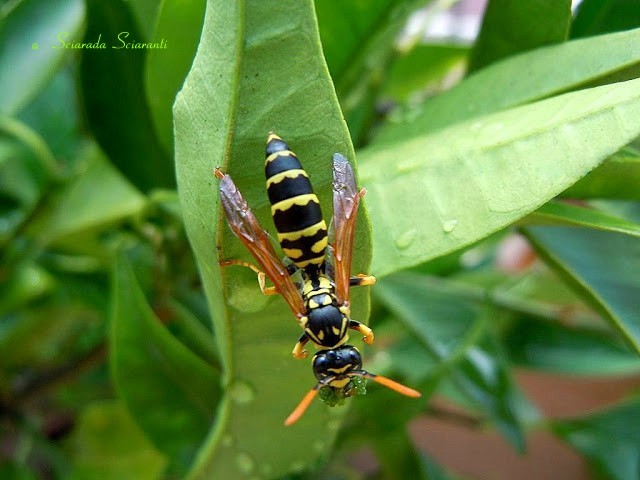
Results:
262 277
363 329
362 279
298 350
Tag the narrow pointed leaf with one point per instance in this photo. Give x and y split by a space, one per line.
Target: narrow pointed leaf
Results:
603 266
583 62
609 440
440 192
558 213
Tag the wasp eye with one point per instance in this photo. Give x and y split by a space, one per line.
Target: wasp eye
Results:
320 362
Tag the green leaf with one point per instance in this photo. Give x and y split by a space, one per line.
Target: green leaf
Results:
559 213
556 348
475 178
492 89
261 71
107 444
513 27
401 459
420 68
179 24
55 115
359 40
599 16
603 266
617 178
27 168
170 392
98 197
30 50
609 440
146 13
115 101
455 331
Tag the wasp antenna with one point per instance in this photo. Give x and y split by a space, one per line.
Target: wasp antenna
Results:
387 382
302 406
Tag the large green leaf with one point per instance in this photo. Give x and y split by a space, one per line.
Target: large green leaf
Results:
30 47
603 266
171 393
513 27
255 71
609 440
114 97
179 23
440 192
525 78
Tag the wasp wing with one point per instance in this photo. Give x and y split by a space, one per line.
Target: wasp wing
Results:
246 227
346 198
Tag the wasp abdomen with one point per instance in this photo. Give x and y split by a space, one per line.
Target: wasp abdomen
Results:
302 231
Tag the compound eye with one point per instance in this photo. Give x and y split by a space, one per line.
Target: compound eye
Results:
354 357
320 362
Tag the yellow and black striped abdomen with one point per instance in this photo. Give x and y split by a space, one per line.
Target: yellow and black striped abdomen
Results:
302 232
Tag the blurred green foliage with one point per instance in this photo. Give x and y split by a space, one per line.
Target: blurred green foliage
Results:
127 353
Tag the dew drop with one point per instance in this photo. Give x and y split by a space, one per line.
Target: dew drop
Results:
245 463
297 466
319 446
449 225
334 424
267 469
405 239
227 441
242 392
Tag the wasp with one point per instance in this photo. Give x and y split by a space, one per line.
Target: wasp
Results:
320 301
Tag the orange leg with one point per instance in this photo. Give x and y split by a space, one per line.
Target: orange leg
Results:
262 278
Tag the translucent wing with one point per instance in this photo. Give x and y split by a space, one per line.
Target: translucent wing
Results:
346 199
246 227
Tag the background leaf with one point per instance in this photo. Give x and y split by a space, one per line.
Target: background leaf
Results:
179 22
599 16
609 440
514 27
603 266
108 445
24 68
121 124
586 61
171 393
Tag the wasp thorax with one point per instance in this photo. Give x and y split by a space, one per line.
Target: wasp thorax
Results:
327 326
